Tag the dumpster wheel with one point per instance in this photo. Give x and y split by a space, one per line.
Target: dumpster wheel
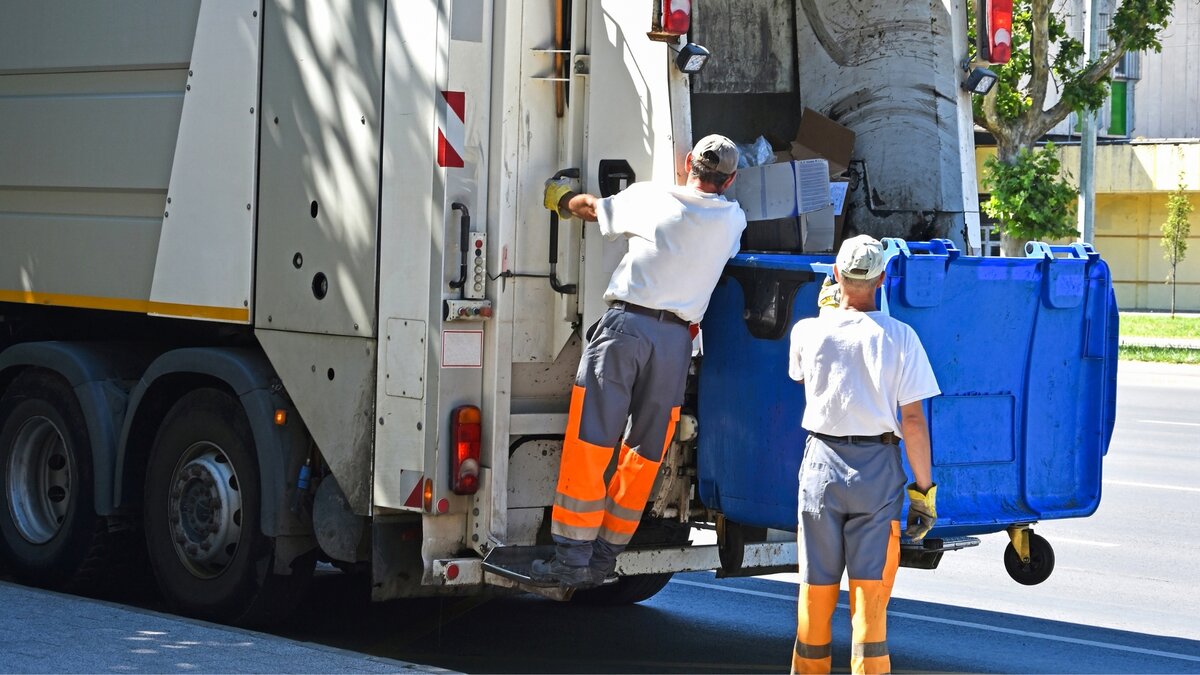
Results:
1040 558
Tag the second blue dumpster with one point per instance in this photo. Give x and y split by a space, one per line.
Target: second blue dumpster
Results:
1025 352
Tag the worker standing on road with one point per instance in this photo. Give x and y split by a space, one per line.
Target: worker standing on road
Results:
630 381
859 366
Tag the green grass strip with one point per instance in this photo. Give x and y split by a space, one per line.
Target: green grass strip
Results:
1160 326
1160 354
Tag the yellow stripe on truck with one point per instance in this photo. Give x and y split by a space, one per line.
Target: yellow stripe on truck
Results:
231 314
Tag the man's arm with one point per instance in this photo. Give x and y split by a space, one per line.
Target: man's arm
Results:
916 443
582 206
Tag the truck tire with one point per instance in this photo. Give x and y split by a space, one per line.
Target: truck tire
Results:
202 517
50 535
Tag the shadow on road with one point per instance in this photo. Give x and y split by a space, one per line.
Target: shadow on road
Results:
708 626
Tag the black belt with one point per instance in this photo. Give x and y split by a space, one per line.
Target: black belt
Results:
886 438
660 314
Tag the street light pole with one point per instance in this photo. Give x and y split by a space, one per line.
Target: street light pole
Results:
1087 145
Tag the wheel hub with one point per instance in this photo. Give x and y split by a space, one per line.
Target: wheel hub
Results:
40 480
204 510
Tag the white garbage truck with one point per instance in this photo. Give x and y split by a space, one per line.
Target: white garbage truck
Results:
277 287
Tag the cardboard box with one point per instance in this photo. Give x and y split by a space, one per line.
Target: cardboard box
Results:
821 138
839 190
808 233
784 190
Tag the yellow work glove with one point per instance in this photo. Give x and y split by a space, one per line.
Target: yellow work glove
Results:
830 295
922 511
556 189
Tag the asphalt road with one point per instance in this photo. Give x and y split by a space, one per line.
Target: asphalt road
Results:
1124 597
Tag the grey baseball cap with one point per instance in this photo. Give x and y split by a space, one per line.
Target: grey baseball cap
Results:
717 153
860 257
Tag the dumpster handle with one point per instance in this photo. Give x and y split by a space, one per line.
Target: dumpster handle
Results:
1040 249
933 246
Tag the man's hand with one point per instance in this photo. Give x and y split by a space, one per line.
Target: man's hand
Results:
830 295
922 511
556 190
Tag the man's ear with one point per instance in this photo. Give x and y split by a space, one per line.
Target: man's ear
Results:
837 275
879 282
728 181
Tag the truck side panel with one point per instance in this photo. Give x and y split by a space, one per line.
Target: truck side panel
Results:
110 115
316 259
322 91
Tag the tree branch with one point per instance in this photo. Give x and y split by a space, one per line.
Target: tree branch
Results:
1090 75
1039 54
991 117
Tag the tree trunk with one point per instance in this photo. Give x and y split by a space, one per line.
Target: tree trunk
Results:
1172 290
1012 248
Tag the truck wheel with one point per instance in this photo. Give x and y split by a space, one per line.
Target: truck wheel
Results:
1039 567
49 531
626 591
202 509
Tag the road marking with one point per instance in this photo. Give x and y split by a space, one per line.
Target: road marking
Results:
1178 424
1085 542
1127 483
963 624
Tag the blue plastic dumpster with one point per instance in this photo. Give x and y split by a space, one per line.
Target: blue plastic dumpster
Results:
1024 349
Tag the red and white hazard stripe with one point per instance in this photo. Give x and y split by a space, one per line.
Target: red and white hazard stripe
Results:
452 131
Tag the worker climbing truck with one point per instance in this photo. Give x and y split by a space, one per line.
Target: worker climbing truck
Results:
277 288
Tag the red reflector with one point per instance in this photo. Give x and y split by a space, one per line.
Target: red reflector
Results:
676 16
443 505
452 571
466 431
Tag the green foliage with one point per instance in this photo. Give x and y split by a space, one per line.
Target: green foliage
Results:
1176 230
1134 27
1029 198
1175 233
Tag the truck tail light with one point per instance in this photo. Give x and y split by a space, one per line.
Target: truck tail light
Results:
466 429
671 19
994 28
676 16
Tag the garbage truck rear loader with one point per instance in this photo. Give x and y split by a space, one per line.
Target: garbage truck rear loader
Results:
276 285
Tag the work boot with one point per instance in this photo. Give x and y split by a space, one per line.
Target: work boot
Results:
603 577
554 570
604 562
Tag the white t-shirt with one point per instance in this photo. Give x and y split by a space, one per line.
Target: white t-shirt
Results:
679 241
858 368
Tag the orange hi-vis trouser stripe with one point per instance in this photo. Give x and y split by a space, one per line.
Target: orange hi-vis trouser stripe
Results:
813 652
868 614
583 508
629 490
579 503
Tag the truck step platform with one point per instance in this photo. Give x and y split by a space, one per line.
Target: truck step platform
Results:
515 563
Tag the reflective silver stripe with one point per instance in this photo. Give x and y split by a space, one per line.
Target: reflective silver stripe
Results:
867 650
618 538
806 651
573 532
579 505
622 512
